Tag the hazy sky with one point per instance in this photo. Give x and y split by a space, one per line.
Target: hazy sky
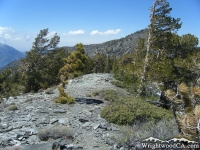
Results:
86 21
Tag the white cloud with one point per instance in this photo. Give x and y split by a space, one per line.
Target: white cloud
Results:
78 32
108 32
4 30
7 36
17 39
96 32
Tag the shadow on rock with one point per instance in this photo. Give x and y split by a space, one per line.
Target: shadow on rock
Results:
88 101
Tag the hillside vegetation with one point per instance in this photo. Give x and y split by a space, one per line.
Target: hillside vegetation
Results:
159 68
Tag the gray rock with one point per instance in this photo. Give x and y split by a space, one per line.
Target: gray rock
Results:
95 126
59 111
33 139
53 120
63 120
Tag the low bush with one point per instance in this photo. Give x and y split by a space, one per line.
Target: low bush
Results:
118 83
65 100
109 94
95 93
164 129
55 133
128 110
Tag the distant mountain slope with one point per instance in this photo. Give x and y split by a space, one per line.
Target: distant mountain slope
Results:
116 47
8 54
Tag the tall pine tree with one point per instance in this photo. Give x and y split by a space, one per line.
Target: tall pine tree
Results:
160 30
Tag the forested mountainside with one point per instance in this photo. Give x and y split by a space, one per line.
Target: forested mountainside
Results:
8 54
116 47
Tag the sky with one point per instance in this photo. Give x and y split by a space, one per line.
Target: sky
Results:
85 21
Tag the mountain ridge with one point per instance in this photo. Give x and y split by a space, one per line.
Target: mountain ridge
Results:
116 47
9 54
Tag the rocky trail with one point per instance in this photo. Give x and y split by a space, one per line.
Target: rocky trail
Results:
38 111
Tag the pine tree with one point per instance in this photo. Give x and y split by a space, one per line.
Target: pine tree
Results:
99 63
74 64
159 34
34 61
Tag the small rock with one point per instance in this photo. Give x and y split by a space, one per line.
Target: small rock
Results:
63 120
95 126
59 111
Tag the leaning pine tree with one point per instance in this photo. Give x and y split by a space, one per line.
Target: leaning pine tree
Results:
160 30
74 66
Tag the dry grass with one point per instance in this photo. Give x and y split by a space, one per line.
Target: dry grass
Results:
197 111
164 129
183 88
55 133
196 91
170 94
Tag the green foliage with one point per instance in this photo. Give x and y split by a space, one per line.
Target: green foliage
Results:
127 110
162 25
39 68
95 93
64 98
99 63
8 87
75 64
118 83
109 94
89 65
161 29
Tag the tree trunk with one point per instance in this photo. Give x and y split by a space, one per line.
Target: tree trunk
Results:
141 91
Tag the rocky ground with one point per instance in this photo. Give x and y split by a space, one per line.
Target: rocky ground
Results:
38 111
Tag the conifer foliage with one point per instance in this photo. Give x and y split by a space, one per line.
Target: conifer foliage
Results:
37 59
159 34
74 64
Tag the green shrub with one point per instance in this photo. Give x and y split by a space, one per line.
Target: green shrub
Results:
65 100
127 110
95 93
55 133
118 83
109 95
12 107
62 92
